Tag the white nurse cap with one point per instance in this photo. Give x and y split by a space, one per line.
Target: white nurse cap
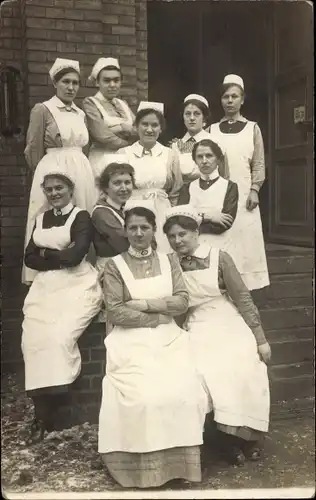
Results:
58 172
184 211
61 64
102 63
234 80
196 97
157 106
133 203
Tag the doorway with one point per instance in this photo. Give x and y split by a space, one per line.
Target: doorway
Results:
193 45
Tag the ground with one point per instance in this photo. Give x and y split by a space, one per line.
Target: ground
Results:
68 461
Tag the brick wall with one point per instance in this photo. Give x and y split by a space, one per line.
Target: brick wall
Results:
13 190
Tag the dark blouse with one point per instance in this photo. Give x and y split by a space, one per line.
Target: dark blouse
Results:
81 236
108 234
230 282
230 204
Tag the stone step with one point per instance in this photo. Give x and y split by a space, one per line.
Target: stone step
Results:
294 286
274 319
279 372
288 389
294 408
290 264
292 351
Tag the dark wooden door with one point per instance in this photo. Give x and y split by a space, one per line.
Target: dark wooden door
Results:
291 164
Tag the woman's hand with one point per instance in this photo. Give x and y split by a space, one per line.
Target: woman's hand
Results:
137 305
264 351
173 141
252 200
225 220
127 128
164 319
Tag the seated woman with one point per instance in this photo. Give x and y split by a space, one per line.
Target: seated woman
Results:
153 405
157 169
63 299
213 197
116 185
227 340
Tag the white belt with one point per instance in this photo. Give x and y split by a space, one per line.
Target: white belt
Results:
56 150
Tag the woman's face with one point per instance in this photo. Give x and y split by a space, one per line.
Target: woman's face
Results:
232 100
109 83
193 119
120 187
149 129
139 232
57 192
205 160
183 241
67 87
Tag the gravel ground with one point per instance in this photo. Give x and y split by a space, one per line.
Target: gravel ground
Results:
68 461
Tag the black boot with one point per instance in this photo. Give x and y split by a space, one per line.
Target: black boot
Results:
253 450
37 432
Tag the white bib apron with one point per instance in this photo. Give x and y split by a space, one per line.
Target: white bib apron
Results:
58 308
97 154
225 352
246 244
152 398
69 159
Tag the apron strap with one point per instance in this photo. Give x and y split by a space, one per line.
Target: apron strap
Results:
119 218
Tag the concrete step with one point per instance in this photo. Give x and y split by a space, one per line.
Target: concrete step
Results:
291 352
290 264
275 319
279 372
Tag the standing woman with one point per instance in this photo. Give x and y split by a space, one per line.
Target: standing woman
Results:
214 198
196 117
110 120
157 170
153 404
228 344
56 135
244 150
62 300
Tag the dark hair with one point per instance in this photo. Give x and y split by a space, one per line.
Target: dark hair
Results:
226 86
144 112
64 72
114 168
187 223
61 177
212 145
111 68
141 212
202 107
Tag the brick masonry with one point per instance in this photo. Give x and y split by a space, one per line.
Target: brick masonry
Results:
32 34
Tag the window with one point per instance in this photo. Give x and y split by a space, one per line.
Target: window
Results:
9 88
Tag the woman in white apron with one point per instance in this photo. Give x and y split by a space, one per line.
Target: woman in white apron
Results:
244 151
153 404
56 135
213 197
110 120
228 344
62 300
195 117
157 170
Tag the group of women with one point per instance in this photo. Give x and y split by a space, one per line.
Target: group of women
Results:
177 244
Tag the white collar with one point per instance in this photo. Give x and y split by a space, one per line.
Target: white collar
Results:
202 251
61 105
112 203
101 97
239 118
140 254
211 176
197 137
64 211
138 149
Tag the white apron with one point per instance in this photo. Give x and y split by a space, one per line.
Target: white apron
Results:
150 179
58 308
97 155
69 159
246 244
225 352
152 398
210 200
189 168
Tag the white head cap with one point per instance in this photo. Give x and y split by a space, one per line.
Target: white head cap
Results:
60 64
196 97
157 106
57 172
132 203
234 80
184 211
108 158
103 62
